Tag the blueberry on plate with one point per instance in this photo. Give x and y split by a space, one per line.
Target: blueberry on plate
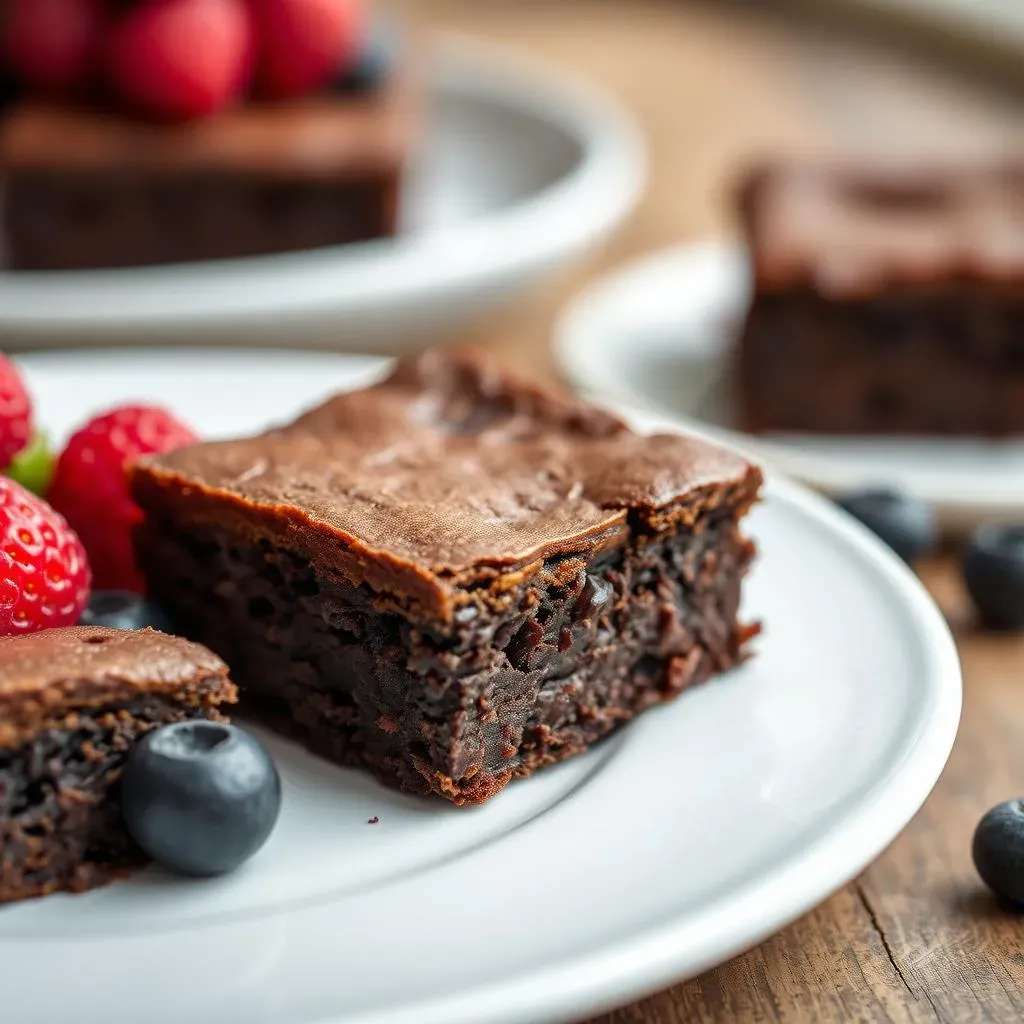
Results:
121 609
998 850
905 523
374 62
993 569
200 797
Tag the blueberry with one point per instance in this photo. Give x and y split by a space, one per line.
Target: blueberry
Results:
998 850
905 523
200 797
121 609
993 570
373 65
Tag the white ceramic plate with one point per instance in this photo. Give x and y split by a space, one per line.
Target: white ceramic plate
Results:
659 333
522 170
690 835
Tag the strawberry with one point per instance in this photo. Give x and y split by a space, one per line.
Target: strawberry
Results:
52 44
90 487
44 572
15 413
181 59
303 44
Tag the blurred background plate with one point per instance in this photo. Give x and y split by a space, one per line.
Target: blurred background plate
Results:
522 170
658 334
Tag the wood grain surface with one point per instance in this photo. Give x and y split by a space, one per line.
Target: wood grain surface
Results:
916 937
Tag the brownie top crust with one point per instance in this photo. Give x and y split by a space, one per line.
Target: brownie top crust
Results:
317 137
55 670
448 472
847 233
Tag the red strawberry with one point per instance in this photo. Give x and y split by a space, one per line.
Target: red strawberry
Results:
303 44
51 44
90 488
181 59
44 573
15 413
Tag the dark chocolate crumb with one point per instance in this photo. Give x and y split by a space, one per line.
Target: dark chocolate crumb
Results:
373 820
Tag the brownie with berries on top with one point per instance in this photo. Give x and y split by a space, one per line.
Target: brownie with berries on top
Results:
886 300
73 703
283 125
454 577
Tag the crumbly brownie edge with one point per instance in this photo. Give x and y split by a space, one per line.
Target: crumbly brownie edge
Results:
60 824
461 713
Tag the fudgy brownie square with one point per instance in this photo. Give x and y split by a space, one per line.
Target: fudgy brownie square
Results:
72 703
454 577
886 301
88 188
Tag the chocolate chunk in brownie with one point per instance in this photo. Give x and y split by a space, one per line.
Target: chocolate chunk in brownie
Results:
454 577
886 301
72 703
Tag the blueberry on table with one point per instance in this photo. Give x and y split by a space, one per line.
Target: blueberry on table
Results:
374 62
905 523
993 571
200 797
998 850
121 609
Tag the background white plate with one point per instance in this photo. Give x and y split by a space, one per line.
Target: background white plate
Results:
659 333
687 837
522 170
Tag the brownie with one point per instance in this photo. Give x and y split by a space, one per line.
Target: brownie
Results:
72 703
88 188
886 301
453 578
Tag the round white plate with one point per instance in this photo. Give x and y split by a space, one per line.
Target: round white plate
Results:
522 170
658 334
688 836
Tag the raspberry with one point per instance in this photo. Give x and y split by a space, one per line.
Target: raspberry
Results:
44 572
51 44
15 413
303 44
181 59
90 487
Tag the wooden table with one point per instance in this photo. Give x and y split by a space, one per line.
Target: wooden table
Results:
916 937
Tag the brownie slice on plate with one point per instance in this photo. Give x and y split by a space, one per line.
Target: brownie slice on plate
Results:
453 578
72 703
886 301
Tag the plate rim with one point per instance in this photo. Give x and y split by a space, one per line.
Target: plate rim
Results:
554 225
573 330
622 971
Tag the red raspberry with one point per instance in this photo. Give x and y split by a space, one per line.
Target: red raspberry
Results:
181 59
44 573
303 44
51 44
15 413
91 490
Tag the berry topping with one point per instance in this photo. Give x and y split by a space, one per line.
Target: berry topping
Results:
33 465
993 571
44 573
90 489
374 62
200 797
15 413
51 44
905 523
121 609
998 850
181 59
303 44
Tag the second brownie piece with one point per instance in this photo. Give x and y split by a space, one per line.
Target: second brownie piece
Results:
886 301
453 578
